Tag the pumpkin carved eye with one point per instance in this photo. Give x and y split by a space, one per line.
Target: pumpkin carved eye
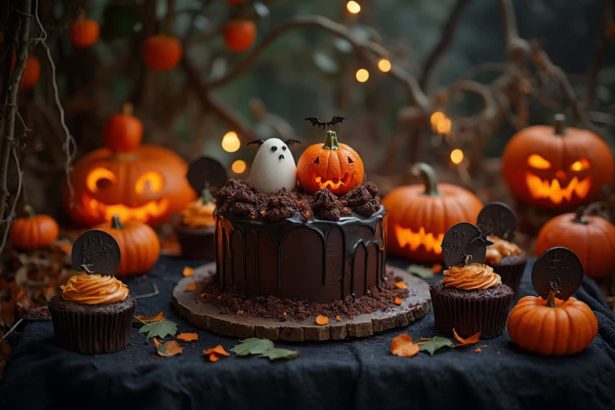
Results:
100 178
579 165
151 179
536 161
350 161
317 161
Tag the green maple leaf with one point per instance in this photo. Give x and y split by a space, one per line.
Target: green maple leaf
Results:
252 345
432 345
159 329
279 353
420 271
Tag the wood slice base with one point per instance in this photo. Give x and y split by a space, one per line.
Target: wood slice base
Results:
207 315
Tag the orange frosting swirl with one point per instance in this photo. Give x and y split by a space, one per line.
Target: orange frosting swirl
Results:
470 277
199 214
499 249
94 289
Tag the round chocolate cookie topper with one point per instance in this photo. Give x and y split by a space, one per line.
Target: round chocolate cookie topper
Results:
557 269
206 172
464 243
497 219
96 251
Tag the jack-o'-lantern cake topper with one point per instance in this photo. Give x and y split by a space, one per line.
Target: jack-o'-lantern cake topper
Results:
332 165
556 167
273 167
146 183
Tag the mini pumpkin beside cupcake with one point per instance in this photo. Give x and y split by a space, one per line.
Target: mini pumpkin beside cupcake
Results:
93 313
471 298
499 222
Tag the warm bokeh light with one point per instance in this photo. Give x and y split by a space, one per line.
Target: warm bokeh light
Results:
456 156
353 7
362 75
239 166
230 142
440 123
384 65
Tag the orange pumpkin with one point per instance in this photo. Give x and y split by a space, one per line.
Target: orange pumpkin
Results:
419 215
84 32
31 72
591 237
552 327
147 184
139 245
239 35
33 231
556 167
162 53
333 166
123 131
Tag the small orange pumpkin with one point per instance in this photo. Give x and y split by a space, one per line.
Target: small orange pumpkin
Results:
576 231
419 215
84 32
239 35
31 72
138 244
124 131
333 166
162 53
33 231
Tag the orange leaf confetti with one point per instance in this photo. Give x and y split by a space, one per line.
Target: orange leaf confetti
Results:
321 320
191 287
403 346
187 337
472 340
168 348
215 353
213 357
187 272
400 284
338 318
151 319
436 268
397 300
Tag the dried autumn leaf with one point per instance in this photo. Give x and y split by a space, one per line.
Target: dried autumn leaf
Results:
432 345
279 353
472 340
420 271
213 357
150 319
191 287
159 329
403 346
168 348
321 320
187 337
397 300
187 272
400 284
252 345
219 350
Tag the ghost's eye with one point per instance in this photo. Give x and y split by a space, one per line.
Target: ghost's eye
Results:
274 149
284 148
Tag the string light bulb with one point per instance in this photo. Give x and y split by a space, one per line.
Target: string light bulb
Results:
239 166
441 123
457 156
384 65
353 7
230 142
362 75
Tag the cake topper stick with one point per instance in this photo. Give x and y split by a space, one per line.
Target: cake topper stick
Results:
205 173
323 124
464 243
497 219
558 271
96 251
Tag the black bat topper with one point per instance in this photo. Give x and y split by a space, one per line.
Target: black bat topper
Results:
322 124
289 142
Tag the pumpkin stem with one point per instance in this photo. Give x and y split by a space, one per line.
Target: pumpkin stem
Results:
583 211
29 211
81 15
127 108
551 298
559 124
116 223
331 141
206 195
428 175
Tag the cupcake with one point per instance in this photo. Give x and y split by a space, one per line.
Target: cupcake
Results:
471 298
197 229
508 259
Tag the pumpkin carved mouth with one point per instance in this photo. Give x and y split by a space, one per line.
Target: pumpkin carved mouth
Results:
334 183
143 213
554 191
413 240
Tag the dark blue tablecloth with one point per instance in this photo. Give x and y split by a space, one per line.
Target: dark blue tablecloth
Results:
342 375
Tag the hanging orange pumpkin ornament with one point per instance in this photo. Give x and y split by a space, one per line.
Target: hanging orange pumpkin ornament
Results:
590 237
239 34
556 167
419 215
84 32
139 245
123 132
162 52
553 323
31 73
33 231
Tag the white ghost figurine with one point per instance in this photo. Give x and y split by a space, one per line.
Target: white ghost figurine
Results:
273 167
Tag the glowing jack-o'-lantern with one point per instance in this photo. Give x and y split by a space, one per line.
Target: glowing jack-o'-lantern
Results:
136 182
419 215
333 166
556 167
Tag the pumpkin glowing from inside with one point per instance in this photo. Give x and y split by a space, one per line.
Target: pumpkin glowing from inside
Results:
419 215
333 166
556 167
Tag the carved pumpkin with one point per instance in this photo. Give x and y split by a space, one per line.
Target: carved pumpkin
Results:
162 53
239 34
591 237
556 167
84 32
333 166
123 132
419 215
146 183
33 231
138 244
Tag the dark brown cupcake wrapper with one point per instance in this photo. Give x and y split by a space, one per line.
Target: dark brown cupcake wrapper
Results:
196 243
468 315
92 332
511 274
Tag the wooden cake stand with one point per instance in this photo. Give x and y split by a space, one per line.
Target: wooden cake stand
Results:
206 315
